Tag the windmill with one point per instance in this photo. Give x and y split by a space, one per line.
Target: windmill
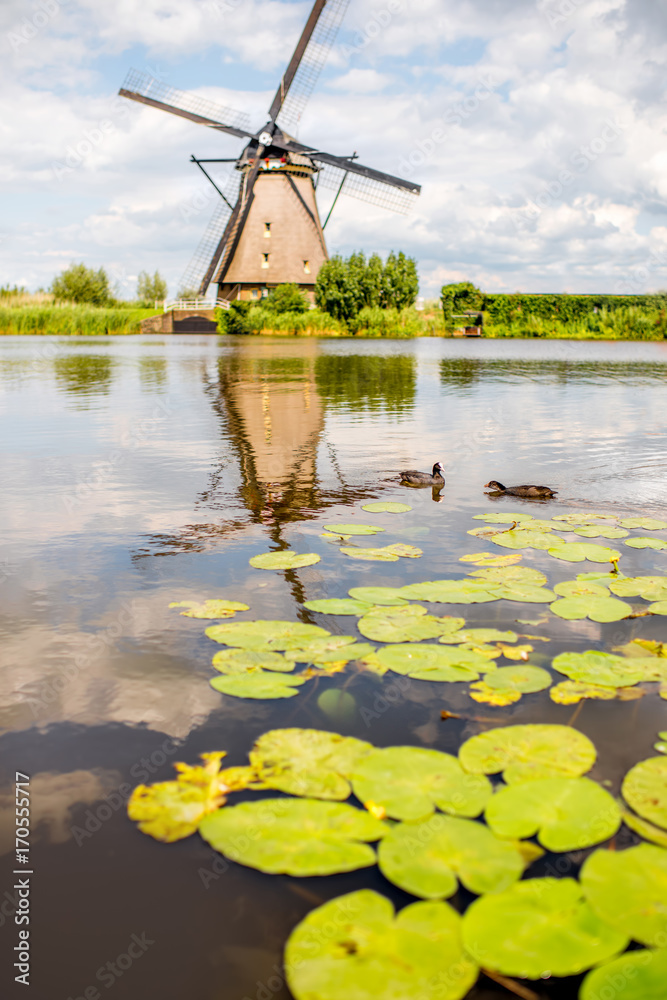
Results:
266 228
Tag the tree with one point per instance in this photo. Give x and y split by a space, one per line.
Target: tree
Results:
337 291
460 297
400 282
151 289
286 298
344 287
82 285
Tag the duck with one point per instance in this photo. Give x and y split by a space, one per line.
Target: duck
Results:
521 491
434 478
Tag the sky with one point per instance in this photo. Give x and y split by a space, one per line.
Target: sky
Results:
537 129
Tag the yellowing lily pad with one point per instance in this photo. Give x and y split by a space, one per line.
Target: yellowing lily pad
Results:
646 523
637 975
525 680
284 560
307 761
352 529
626 889
355 947
537 928
645 789
369 554
659 608
489 635
238 661
651 588
425 858
529 751
409 782
210 609
385 596
427 662
409 624
405 551
491 559
594 667
646 543
172 810
520 538
257 683
265 635
579 551
481 692
451 591
502 517
294 836
338 606
386 507
510 575
572 692
566 814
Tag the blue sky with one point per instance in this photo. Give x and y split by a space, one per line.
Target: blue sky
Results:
537 130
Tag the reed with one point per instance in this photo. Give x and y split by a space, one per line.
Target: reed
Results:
69 320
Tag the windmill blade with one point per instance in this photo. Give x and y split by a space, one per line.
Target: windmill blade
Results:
369 188
146 89
307 61
207 254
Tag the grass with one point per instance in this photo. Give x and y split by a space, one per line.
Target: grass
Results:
369 322
630 323
24 315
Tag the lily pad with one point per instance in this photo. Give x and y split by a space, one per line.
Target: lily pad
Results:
489 635
502 518
597 668
589 601
265 635
307 761
339 706
566 814
526 593
520 538
352 529
257 683
210 609
172 810
451 591
385 596
409 624
405 551
369 554
600 531
426 858
294 836
579 551
646 523
432 663
344 654
580 588
387 507
481 692
238 661
525 680
491 559
284 560
409 782
637 975
645 789
537 928
338 606
646 543
530 751
659 608
572 692
651 588
355 947
511 575
627 889
584 516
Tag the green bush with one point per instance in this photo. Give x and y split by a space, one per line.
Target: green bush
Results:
234 319
345 287
287 298
82 285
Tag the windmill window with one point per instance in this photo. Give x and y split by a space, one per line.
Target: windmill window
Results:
306 267
265 260
267 230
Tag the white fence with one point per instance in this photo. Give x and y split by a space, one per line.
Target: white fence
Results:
193 304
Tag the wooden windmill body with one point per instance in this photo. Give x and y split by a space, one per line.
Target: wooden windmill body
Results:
266 229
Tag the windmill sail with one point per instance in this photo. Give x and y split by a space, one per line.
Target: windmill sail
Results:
368 189
147 90
306 64
208 252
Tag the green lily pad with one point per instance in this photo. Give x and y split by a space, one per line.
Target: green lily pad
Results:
257 683
646 523
580 588
572 692
502 518
369 554
451 591
646 543
645 789
566 814
579 551
319 649
409 782
432 663
409 624
637 975
338 606
239 661
284 560
525 680
530 751
523 538
386 507
354 947
352 529
640 586
526 593
511 575
584 516
537 928
265 635
600 531
627 889
405 551
385 596
210 609
294 836
598 609
307 762
426 858
597 668
489 635
543 524
659 608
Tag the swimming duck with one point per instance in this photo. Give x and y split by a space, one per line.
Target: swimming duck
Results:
521 491
434 478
